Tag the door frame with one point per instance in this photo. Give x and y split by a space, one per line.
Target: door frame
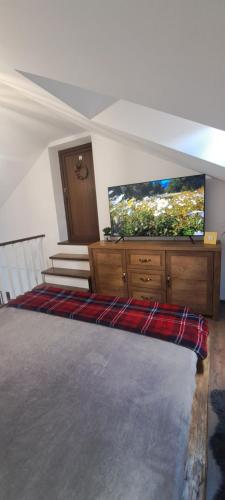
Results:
76 149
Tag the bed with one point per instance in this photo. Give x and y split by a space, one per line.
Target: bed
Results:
90 412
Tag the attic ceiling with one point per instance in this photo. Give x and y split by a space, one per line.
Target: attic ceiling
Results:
26 128
150 71
84 101
167 55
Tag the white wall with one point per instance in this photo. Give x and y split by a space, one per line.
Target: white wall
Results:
31 209
117 164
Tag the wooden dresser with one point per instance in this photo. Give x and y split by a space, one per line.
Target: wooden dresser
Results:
174 272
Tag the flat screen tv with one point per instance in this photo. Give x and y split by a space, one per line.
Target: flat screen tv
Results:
169 207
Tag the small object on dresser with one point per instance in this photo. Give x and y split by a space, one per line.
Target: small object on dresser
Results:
107 233
210 238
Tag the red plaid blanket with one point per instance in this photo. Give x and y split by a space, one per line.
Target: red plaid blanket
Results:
163 321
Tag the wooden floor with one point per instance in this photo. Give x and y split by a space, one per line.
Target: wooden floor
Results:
216 381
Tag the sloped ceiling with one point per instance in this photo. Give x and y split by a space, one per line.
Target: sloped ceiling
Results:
149 71
86 102
26 128
169 134
167 55
185 136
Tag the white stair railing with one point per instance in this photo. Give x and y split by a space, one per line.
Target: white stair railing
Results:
21 263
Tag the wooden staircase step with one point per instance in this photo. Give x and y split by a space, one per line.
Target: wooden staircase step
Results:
69 273
67 287
70 256
76 243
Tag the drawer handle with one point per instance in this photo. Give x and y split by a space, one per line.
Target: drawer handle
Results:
146 279
168 281
143 261
146 298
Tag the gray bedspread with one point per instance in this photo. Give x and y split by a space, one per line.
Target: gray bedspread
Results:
90 413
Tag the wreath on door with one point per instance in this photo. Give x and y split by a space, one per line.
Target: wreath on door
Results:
81 170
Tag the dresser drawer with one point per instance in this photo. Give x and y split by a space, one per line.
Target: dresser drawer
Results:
153 260
147 294
109 258
146 279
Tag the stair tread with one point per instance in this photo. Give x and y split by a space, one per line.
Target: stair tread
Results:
67 287
70 273
77 243
70 256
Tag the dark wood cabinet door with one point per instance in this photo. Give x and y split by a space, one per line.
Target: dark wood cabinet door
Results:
189 280
77 172
110 272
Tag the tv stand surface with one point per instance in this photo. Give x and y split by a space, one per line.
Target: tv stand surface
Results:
191 240
175 272
121 238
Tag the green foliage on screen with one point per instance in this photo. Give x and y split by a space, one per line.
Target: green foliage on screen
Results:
160 208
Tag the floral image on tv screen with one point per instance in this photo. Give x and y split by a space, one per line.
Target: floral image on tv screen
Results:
169 207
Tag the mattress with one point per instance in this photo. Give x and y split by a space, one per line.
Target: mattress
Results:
91 413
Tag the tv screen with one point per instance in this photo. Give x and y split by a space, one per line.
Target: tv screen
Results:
168 207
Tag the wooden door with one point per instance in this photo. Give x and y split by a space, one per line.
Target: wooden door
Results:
189 280
110 272
77 172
